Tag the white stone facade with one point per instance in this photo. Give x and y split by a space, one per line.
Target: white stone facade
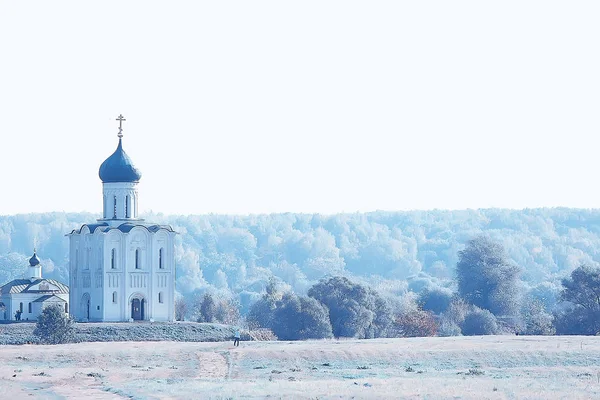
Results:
108 283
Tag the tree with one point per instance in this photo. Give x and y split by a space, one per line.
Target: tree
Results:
180 309
436 300
582 291
354 310
290 317
536 320
54 326
208 309
299 318
487 279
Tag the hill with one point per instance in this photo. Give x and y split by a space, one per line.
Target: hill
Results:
392 251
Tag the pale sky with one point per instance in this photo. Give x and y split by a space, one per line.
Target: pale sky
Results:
308 106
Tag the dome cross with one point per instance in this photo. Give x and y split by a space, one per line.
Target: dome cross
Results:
120 118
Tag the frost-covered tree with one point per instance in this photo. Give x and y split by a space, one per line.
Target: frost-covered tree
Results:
536 320
487 279
354 310
436 300
581 291
208 309
54 326
299 317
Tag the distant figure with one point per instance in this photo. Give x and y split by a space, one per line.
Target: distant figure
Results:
236 338
18 315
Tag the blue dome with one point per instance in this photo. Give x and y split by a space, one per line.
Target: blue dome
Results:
119 168
33 261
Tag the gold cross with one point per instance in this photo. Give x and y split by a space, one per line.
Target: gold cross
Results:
120 119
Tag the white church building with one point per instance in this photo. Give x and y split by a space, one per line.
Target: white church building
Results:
26 298
121 267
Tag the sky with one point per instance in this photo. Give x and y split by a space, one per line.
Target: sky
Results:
245 107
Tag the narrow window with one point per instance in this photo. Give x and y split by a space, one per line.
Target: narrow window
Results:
127 206
88 258
67 308
29 308
160 258
114 206
113 259
115 297
160 297
21 307
137 258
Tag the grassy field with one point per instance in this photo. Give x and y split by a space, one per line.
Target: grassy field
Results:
490 367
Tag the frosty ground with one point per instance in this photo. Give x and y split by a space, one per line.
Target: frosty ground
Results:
489 367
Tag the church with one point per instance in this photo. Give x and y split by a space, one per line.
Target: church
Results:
121 268
24 299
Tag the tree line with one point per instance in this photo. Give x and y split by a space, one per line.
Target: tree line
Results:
487 297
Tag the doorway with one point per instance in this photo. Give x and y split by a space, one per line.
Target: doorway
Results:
137 309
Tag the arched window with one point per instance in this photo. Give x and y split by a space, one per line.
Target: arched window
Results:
114 206
67 308
160 297
137 259
126 206
113 259
21 307
115 297
160 258
29 308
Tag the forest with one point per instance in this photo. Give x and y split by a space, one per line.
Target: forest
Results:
398 254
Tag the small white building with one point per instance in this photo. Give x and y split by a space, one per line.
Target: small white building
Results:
122 267
30 295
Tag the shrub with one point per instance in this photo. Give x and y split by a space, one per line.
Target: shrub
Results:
479 322
416 324
54 326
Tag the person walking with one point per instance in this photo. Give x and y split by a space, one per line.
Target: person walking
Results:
236 338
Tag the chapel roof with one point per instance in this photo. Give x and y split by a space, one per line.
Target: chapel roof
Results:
119 167
49 297
24 286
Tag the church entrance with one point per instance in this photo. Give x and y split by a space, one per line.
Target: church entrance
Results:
137 309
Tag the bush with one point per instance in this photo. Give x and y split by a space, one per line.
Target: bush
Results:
54 326
479 322
416 324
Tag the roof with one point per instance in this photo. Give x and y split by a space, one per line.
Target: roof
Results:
119 167
49 297
124 227
24 285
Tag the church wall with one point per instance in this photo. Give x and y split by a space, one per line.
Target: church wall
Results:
114 276
163 282
86 253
